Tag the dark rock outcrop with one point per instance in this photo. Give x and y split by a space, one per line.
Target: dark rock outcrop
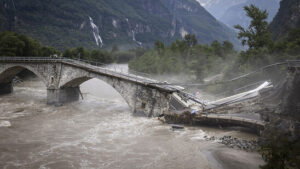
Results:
288 17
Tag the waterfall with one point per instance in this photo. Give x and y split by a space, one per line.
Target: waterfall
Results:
13 2
133 38
96 34
133 34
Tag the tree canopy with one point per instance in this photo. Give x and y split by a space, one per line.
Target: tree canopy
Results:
184 56
257 35
13 44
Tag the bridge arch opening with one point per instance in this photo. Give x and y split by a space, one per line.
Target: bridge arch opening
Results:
97 88
100 88
31 78
8 74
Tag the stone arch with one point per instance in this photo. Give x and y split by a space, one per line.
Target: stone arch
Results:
8 73
126 89
76 82
63 79
141 98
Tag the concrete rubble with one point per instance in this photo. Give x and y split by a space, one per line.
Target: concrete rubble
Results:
265 107
224 112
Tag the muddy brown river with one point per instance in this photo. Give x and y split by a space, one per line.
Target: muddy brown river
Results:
99 132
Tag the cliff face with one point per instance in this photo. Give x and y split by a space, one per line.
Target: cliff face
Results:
288 17
128 23
190 17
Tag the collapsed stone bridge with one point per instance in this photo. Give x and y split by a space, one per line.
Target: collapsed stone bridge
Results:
62 77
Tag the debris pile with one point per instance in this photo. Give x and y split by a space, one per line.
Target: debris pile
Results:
248 145
236 143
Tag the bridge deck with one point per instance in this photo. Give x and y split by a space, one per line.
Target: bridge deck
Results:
95 68
232 120
214 119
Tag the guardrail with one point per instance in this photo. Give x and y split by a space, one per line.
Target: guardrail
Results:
89 62
106 68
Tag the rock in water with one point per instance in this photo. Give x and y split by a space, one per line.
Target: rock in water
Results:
177 127
5 124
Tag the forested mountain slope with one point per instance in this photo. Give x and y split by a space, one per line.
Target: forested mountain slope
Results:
128 23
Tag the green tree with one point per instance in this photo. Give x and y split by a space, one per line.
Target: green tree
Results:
293 42
11 45
115 48
257 35
101 56
159 46
77 53
14 44
228 47
217 47
31 48
180 46
139 52
48 51
191 40
67 53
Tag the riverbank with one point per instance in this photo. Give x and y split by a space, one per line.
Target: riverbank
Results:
228 148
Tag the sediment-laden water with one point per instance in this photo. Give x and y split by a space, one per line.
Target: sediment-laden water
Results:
100 132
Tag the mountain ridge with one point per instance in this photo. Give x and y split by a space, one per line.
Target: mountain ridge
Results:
128 23
236 15
218 7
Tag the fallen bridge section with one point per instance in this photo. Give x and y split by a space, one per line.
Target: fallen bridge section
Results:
237 110
225 120
215 120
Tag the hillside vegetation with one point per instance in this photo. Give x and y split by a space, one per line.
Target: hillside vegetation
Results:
14 44
202 61
185 56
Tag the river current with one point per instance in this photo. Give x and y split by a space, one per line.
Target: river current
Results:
100 132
